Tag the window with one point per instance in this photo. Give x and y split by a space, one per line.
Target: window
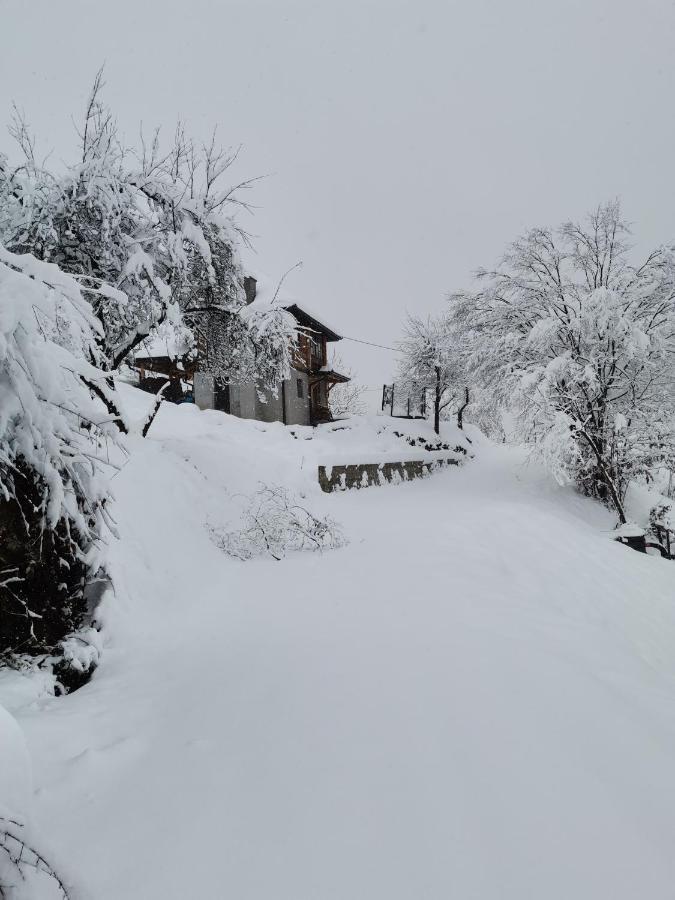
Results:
301 388
315 354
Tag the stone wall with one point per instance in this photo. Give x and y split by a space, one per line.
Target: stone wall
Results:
360 475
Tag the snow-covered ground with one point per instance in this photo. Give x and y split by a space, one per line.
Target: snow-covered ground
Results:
473 699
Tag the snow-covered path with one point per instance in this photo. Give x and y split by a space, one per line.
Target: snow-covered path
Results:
475 699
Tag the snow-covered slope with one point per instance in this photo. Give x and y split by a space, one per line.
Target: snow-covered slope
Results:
473 699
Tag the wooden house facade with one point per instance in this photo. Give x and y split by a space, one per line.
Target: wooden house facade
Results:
302 399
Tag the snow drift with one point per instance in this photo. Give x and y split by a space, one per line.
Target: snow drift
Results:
473 698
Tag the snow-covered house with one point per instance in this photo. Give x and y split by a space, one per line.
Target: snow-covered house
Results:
302 399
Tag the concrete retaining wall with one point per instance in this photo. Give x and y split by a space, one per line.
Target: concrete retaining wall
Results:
360 475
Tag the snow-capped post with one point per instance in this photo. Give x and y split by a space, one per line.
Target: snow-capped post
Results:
578 343
632 536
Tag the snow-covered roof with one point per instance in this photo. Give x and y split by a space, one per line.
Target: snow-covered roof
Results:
163 341
331 375
268 291
307 321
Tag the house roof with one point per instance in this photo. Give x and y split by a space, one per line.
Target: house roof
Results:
165 343
306 320
162 342
331 375
272 292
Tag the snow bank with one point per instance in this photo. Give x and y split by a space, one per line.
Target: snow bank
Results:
472 699
15 778
273 448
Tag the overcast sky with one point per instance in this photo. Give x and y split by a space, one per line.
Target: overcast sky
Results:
407 142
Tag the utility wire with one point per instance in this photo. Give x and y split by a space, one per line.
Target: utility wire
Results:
371 344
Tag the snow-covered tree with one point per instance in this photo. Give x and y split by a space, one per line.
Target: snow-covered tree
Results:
346 398
151 237
430 362
578 343
57 421
94 222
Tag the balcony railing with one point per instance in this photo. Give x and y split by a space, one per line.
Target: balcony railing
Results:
315 359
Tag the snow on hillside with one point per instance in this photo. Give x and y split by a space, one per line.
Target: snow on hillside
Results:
472 699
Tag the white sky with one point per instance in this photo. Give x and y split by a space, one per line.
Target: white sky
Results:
408 141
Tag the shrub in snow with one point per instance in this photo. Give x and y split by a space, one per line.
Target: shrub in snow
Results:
275 524
79 655
54 434
423 443
578 344
25 874
346 399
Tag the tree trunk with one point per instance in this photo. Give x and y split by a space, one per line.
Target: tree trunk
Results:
108 402
437 402
606 479
159 396
460 411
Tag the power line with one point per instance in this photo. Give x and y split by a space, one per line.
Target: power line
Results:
371 344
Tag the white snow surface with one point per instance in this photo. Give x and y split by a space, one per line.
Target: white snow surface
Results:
473 699
15 781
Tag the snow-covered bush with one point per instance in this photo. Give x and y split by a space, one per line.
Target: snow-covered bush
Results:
78 655
275 523
578 344
346 398
58 420
25 873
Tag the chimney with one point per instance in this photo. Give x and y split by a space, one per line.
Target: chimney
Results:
250 288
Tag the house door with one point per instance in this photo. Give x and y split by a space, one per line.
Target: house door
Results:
221 396
318 408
